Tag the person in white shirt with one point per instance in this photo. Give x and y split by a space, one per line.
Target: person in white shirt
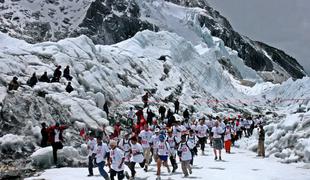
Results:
154 143
227 138
91 146
136 152
201 130
145 139
173 142
124 144
192 141
185 155
217 139
130 117
117 161
163 152
102 152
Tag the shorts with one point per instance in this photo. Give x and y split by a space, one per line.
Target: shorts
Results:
217 144
163 158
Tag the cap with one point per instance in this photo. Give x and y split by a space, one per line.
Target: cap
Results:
157 130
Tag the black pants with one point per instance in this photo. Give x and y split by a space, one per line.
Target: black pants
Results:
173 162
91 162
193 154
132 167
239 134
56 146
202 141
120 174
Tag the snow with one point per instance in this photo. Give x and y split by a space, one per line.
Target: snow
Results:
241 164
43 157
121 73
11 142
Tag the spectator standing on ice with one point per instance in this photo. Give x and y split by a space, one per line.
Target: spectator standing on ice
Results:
56 138
145 99
44 134
261 141
57 74
176 106
130 117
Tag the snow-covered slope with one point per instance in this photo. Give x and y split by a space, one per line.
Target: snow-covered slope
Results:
109 22
184 62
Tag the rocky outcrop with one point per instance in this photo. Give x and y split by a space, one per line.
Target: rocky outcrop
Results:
108 22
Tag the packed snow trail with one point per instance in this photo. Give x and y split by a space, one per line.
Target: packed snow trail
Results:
240 164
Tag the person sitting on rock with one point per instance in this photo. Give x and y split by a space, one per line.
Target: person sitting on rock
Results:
44 78
67 73
13 85
57 74
69 88
33 80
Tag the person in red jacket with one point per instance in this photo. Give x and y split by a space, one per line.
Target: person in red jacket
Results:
56 138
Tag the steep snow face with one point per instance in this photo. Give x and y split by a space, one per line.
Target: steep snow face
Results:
184 21
42 19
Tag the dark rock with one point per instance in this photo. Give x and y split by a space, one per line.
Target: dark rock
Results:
105 27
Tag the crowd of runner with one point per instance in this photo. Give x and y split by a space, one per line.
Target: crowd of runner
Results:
163 142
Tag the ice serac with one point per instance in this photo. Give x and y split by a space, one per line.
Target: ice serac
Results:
257 55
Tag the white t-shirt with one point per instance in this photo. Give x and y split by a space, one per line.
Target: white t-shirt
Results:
192 141
210 124
101 152
194 127
57 134
202 130
155 140
186 154
117 156
217 131
146 137
136 153
91 146
163 148
131 114
227 135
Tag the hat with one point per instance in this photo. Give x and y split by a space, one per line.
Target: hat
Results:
113 143
157 130
161 137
